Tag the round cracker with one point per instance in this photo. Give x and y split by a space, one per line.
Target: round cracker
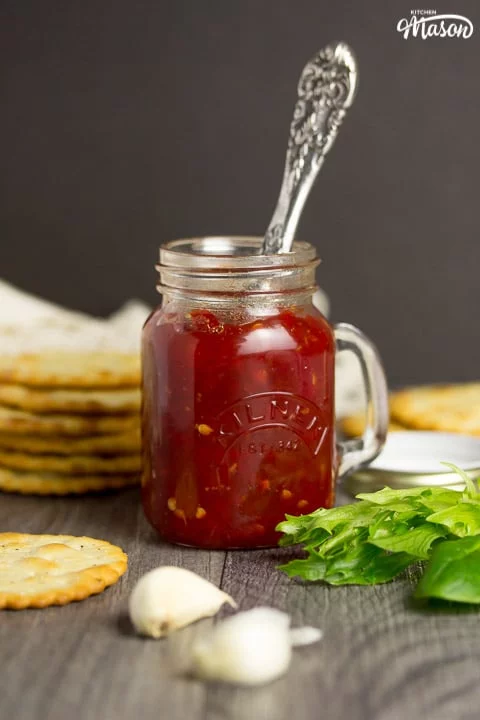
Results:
13 420
73 464
448 408
41 570
123 444
354 425
71 401
72 369
43 483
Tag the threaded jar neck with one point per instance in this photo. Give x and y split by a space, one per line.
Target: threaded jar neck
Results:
233 264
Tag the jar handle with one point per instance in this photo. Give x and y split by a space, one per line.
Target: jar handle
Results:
360 451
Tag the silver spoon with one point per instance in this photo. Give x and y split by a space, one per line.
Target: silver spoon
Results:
326 90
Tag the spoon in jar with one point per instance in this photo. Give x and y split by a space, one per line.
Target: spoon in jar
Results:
326 90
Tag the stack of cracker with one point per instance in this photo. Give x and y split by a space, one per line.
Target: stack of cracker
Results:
446 408
69 396
69 421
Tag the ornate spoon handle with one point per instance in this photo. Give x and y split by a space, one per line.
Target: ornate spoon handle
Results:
326 90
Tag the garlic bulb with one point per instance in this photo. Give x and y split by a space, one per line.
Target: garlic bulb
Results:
169 598
250 648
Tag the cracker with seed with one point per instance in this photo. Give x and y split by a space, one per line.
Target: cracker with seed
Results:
45 483
13 420
71 464
121 444
41 570
448 408
354 425
70 401
72 369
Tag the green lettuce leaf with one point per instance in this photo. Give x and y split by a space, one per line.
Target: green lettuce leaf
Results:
462 520
453 572
417 541
376 538
434 498
366 565
322 523
360 564
470 487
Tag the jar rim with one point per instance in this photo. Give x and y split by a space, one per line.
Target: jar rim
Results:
232 252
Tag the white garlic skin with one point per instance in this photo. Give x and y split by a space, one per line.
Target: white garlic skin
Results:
169 597
307 635
250 648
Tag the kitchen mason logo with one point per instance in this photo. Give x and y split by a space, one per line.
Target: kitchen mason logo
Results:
428 24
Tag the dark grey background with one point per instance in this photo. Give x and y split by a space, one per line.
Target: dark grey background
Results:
126 123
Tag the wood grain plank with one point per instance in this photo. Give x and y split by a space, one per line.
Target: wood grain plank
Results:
83 660
380 659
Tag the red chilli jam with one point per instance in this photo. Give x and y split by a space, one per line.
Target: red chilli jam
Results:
238 388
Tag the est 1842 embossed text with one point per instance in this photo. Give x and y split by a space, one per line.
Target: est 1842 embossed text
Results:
297 415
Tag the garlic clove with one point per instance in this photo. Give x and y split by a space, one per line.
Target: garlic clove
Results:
250 648
306 635
170 597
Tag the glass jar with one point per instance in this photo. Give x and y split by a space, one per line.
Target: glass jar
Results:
238 394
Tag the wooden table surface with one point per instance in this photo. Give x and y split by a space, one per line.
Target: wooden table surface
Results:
380 658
